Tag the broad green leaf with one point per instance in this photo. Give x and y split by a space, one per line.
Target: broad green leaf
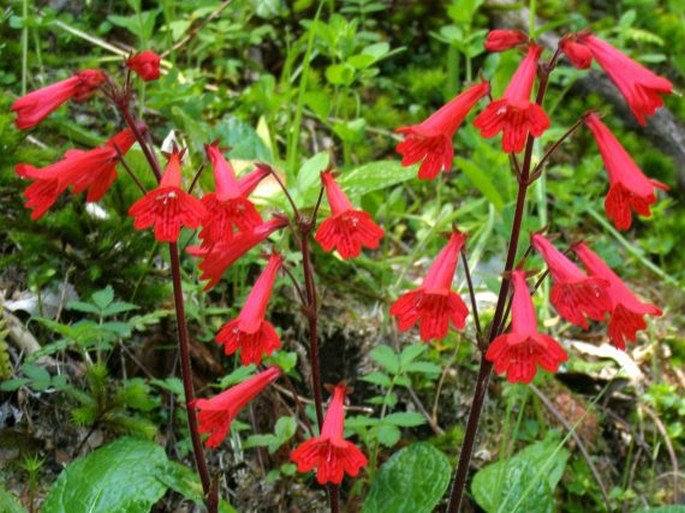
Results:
481 181
319 102
527 479
121 476
412 481
405 419
8 503
309 175
376 175
340 74
388 434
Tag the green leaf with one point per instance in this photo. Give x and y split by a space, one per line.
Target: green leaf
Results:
423 367
118 307
374 176
481 181
388 434
411 352
405 419
103 298
121 476
319 102
387 358
309 175
184 481
80 306
524 482
412 481
8 503
340 74
378 378
663 509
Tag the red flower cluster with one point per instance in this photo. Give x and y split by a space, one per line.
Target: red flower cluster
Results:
434 305
501 40
329 453
145 64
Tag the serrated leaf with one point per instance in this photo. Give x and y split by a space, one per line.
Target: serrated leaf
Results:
386 358
103 298
80 306
423 367
378 378
118 477
405 419
413 480
411 352
118 307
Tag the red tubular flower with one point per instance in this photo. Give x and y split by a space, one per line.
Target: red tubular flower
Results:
640 87
579 55
501 40
347 229
228 209
35 106
250 332
145 64
431 140
434 305
514 114
223 254
330 454
627 312
216 414
629 188
94 170
168 207
574 294
521 351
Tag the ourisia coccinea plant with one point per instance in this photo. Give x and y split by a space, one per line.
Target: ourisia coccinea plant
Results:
230 225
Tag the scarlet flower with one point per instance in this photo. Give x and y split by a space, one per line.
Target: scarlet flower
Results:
223 254
434 305
228 209
579 54
330 454
94 170
514 114
168 207
216 414
524 348
574 294
431 140
145 64
35 106
627 312
640 87
501 40
347 229
250 332
629 188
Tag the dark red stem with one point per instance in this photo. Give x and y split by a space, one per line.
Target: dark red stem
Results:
462 470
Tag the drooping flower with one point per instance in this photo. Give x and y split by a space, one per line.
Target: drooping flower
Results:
228 209
501 40
222 255
329 453
524 348
579 54
168 207
629 188
145 64
431 140
641 88
347 229
216 414
574 294
94 170
250 331
514 114
627 311
434 305
35 106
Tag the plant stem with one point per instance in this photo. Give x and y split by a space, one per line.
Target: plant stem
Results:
461 472
211 499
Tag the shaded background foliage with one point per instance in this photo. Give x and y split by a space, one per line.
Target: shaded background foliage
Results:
375 65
